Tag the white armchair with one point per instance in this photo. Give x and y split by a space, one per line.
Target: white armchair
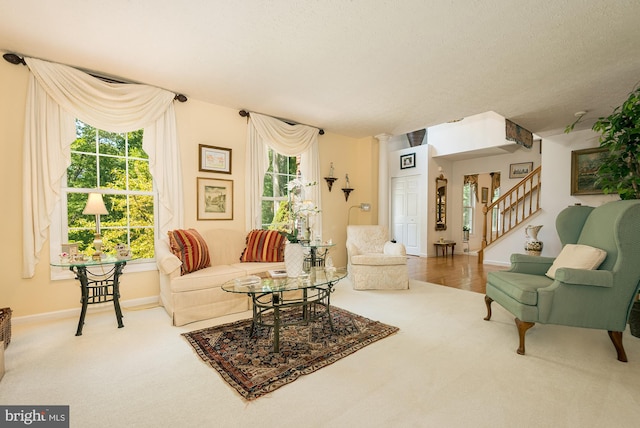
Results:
374 262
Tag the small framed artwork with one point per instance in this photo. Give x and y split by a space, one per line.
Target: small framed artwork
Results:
215 159
485 195
520 170
584 171
408 161
215 199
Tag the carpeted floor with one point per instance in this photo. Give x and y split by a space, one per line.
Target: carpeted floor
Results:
247 362
446 367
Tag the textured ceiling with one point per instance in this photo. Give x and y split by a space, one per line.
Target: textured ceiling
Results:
356 68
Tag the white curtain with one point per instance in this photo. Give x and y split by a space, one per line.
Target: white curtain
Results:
57 95
288 140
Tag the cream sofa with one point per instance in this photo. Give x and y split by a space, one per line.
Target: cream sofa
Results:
374 262
198 295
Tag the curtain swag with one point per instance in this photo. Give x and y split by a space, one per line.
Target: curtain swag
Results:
56 96
288 140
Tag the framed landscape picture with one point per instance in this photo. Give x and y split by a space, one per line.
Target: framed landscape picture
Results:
215 199
584 171
215 159
520 170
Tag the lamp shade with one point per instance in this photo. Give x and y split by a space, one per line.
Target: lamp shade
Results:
365 207
95 205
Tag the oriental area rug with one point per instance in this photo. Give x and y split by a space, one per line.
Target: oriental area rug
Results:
249 364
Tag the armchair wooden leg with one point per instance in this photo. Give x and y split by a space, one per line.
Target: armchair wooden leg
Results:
487 301
523 326
616 338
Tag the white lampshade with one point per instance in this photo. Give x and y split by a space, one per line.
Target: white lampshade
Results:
95 205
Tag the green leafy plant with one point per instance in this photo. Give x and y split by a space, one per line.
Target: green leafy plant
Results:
620 135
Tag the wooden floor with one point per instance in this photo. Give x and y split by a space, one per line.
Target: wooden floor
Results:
458 271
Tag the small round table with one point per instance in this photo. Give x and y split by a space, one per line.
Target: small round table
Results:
97 287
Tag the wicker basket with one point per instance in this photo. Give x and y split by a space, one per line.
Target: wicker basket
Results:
5 326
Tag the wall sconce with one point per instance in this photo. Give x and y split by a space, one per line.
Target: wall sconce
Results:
330 179
347 189
365 207
95 206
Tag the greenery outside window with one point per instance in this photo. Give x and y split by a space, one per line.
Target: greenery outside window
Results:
115 165
468 206
275 196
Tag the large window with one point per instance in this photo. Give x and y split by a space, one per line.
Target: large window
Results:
468 206
275 196
115 165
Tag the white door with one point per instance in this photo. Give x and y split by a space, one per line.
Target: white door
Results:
404 212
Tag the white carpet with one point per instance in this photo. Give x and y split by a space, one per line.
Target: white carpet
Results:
447 367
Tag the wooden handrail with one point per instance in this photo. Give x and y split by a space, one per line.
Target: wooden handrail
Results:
512 208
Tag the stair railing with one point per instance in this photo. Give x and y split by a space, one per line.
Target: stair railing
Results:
510 209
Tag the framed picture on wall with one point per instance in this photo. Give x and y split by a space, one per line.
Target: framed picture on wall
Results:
408 161
520 170
215 159
215 199
485 195
584 171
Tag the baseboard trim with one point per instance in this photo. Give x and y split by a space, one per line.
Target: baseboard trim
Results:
75 313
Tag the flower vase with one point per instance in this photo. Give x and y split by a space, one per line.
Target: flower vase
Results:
532 246
293 259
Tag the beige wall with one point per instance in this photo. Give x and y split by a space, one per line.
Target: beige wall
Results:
198 123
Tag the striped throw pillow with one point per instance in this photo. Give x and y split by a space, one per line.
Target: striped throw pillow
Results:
189 246
264 246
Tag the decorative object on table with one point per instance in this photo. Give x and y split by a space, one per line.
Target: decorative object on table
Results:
215 159
95 206
585 164
532 246
408 161
215 199
293 259
5 326
465 233
248 364
122 251
520 170
300 210
69 251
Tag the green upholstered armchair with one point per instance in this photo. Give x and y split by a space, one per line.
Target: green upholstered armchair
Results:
599 298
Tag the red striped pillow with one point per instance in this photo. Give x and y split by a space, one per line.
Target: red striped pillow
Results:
264 246
189 246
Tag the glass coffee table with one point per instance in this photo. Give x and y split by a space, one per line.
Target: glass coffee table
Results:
100 286
311 292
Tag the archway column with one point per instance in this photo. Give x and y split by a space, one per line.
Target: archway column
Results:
383 179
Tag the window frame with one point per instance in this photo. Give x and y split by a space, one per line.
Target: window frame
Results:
59 234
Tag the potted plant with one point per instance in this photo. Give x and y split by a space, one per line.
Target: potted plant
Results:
465 233
620 170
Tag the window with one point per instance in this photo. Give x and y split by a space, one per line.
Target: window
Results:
116 165
275 196
468 206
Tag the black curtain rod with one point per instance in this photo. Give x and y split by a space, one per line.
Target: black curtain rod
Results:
245 113
15 59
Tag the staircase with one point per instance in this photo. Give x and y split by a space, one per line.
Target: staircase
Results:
510 210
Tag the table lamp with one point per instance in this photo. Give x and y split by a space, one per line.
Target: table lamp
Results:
95 206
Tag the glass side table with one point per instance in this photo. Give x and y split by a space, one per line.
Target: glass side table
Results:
317 253
100 286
